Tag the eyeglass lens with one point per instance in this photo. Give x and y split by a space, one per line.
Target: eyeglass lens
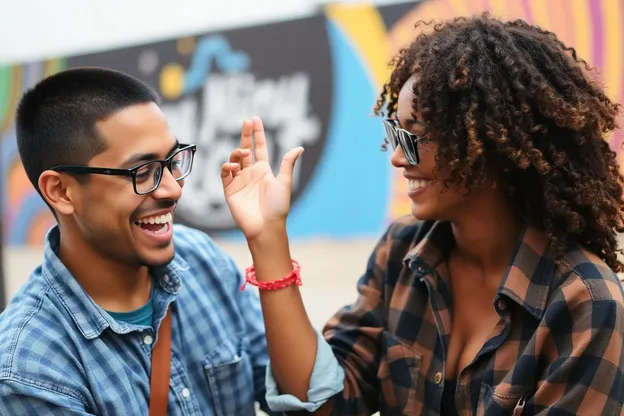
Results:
148 177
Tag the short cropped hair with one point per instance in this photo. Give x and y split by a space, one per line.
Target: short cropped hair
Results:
56 120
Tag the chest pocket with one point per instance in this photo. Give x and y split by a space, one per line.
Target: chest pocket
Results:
398 376
502 400
230 377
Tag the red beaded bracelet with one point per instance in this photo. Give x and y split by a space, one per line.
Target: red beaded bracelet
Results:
293 277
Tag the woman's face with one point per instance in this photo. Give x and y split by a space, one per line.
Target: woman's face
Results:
430 199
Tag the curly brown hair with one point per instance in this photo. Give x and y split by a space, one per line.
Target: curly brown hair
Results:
511 98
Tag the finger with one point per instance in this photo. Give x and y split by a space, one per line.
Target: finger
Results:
259 140
288 165
238 155
228 171
245 142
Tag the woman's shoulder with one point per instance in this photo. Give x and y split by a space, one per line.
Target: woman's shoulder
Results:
402 235
584 274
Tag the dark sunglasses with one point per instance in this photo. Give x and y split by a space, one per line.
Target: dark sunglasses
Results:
146 176
399 137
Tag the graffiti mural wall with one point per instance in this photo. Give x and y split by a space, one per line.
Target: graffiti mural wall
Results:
314 82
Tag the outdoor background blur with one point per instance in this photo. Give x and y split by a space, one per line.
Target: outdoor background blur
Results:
311 69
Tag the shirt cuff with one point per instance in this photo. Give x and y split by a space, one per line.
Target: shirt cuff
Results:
326 381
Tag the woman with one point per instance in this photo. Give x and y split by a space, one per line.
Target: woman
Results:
498 294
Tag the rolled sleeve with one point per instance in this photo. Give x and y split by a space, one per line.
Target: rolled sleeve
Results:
326 381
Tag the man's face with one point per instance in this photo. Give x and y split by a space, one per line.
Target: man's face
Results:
119 224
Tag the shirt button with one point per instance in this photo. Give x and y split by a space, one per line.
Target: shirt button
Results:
186 392
148 340
502 305
438 378
166 278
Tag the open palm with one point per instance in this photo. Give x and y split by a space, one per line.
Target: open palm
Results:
254 195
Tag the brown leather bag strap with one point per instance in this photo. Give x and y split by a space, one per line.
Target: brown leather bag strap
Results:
161 369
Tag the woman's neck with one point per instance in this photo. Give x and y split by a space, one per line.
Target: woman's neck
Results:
486 234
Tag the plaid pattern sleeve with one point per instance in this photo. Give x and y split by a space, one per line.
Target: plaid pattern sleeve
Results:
25 397
357 333
556 349
581 343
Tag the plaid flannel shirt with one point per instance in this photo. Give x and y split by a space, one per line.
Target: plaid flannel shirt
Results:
62 354
557 347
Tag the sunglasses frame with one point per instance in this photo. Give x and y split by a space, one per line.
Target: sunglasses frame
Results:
408 141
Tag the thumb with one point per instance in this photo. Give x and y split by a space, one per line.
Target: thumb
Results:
288 164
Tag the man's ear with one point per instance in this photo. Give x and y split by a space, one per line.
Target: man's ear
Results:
55 188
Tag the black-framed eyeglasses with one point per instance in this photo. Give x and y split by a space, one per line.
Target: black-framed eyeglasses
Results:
397 136
146 176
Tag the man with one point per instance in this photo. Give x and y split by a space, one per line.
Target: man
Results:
78 338
497 296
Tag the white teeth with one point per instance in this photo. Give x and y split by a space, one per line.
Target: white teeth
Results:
162 229
413 184
160 219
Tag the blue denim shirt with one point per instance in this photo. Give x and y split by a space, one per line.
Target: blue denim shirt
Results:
61 354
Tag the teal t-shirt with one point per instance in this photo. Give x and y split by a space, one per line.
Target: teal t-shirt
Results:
142 316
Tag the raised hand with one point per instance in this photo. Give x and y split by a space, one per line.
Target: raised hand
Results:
255 196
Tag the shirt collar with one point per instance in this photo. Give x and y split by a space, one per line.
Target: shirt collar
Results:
527 280
90 318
